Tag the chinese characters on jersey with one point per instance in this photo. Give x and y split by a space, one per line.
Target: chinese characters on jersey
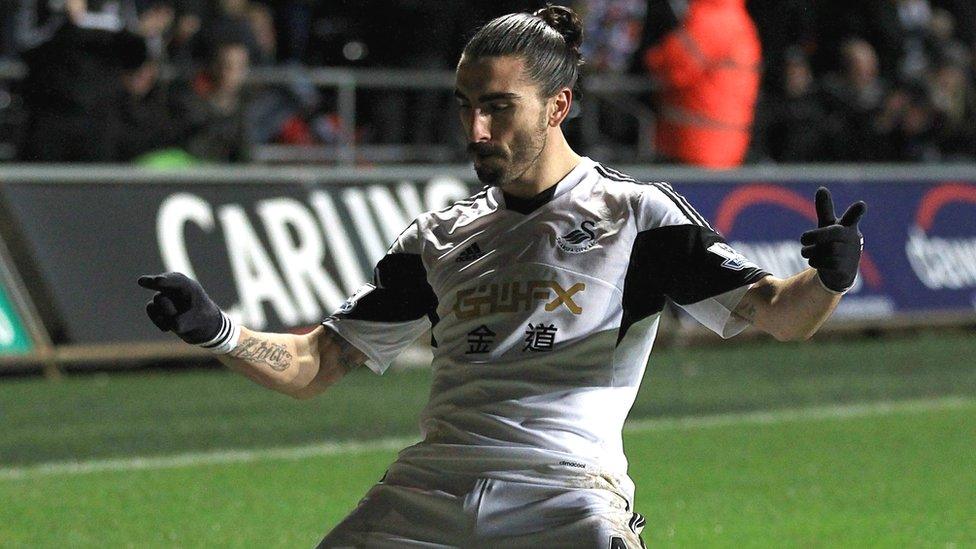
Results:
540 337
480 340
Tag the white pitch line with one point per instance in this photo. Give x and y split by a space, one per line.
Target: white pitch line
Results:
191 459
835 411
840 411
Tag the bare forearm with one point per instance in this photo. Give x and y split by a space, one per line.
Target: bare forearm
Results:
789 309
337 357
297 365
804 305
282 362
300 366
796 307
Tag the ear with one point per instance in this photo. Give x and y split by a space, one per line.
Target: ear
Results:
558 106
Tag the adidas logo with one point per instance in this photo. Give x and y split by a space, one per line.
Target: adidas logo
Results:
470 253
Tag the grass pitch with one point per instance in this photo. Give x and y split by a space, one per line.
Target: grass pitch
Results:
843 475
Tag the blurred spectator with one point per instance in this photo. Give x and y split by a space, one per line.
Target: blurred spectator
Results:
37 21
943 46
912 103
265 37
954 101
289 115
214 125
230 23
908 127
874 21
709 66
855 99
143 123
411 34
286 112
784 26
154 25
790 122
73 82
613 30
844 81
915 17
182 44
964 14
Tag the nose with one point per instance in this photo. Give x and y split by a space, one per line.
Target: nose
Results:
479 126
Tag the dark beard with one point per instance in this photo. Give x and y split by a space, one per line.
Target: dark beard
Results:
490 175
526 150
530 149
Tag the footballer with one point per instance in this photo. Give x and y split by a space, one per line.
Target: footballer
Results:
542 295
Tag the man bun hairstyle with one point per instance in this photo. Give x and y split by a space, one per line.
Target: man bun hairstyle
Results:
547 40
566 23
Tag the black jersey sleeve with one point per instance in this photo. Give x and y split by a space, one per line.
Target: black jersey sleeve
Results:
689 263
389 313
400 292
676 254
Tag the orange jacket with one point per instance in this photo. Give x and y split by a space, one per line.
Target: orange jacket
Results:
709 67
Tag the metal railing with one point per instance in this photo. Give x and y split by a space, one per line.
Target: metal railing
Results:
619 93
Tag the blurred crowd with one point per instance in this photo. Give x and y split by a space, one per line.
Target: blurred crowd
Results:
166 81
95 87
874 80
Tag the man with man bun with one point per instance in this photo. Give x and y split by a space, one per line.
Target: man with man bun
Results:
542 294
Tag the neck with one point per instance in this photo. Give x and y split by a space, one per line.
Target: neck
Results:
557 160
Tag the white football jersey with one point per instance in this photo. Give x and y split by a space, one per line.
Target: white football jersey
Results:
542 315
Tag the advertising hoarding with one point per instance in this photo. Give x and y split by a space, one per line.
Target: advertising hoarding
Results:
284 255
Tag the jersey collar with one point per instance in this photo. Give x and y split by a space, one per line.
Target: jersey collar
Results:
529 205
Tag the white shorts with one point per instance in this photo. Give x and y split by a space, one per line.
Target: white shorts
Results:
583 510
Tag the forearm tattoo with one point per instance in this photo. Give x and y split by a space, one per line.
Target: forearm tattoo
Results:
252 349
762 292
745 311
348 357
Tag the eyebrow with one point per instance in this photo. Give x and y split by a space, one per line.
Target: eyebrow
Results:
488 96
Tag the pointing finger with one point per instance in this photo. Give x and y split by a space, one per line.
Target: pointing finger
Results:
148 282
825 208
163 282
853 213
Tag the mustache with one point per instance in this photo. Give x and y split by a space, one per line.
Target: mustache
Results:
484 149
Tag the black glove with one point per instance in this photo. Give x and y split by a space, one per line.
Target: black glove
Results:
834 248
182 307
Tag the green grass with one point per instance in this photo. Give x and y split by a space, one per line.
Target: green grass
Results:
905 479
105 415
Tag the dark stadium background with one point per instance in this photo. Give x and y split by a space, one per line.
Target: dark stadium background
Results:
889 80
140 135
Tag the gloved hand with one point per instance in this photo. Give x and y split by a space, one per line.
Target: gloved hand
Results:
834 247
182 307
